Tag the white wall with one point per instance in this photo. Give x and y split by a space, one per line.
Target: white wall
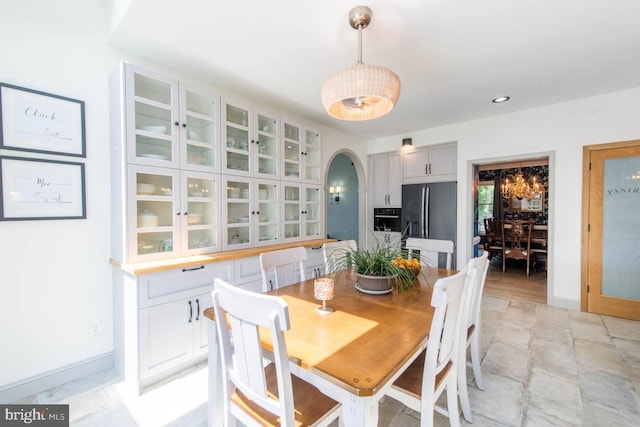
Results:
55 278
560 131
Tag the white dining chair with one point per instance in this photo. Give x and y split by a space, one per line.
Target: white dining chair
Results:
435 369
258 394
282 268
334 253
430 249
472 333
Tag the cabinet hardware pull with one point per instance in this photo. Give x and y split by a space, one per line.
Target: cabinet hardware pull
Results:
197 309
190 311
426 168
184 125
186 213
316 247
184 270
176 123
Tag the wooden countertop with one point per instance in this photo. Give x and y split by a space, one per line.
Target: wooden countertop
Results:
190 261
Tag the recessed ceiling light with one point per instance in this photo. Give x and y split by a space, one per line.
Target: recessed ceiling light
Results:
500 99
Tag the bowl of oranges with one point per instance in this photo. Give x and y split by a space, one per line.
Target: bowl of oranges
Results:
412 264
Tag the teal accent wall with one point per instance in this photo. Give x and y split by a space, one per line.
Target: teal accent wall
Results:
343 218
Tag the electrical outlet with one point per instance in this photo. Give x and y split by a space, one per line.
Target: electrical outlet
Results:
96 327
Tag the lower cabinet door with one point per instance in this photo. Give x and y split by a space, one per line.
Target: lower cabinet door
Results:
166 337
200 324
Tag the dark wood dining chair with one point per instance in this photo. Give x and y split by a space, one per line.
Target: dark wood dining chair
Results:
516 242
493 236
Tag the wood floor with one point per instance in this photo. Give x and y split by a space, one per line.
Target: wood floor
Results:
514 283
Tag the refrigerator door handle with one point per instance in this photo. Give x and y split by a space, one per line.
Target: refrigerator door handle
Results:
423 214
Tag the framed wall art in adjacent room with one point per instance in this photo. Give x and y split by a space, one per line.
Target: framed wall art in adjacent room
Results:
33 189
41 122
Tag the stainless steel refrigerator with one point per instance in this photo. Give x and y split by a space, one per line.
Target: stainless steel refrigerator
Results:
429 212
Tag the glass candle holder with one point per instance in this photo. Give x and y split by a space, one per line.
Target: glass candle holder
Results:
323 290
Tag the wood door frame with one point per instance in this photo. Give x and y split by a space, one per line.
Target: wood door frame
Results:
586 191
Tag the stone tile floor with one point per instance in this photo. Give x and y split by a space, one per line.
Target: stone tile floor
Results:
543 366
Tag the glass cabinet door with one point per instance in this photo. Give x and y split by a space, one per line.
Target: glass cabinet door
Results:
151 112
201 197
312 224
268 212
199 131
312 160
236 140
291 152
292 211
153 213
266 147
237 211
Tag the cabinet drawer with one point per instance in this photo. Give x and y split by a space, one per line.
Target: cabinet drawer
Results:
248 270
165 286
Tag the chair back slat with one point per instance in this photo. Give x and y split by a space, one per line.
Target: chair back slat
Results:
334 254
481 264
242 357
286 266
430 250
446 299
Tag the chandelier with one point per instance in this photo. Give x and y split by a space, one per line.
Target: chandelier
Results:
361 92
520 188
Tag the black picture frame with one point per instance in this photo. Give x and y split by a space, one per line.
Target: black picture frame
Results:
41 189
41 122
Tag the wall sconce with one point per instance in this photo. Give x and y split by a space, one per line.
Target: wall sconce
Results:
407 142
335 194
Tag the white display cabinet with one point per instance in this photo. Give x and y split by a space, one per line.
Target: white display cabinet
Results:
171 213
251 210
251 142
168 123
301 159
302 207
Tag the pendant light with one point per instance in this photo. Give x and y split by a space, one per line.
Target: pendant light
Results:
361 92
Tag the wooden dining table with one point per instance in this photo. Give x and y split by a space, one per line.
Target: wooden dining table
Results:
355 353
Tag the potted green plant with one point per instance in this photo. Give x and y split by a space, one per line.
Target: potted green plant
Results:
377 270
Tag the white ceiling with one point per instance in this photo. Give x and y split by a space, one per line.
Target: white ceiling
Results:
452 56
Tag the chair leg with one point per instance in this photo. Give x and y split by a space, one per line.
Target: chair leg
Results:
475 358
463 391
452 402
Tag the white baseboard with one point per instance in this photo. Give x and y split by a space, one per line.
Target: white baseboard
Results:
569 304
36 384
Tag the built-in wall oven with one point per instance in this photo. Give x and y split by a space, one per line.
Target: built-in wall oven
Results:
387 219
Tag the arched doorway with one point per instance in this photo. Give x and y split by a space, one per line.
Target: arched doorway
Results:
345 210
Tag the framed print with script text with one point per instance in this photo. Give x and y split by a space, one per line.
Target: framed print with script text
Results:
41 122
33 189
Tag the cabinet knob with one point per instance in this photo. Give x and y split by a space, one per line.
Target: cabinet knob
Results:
184 125
186 213
176 123
177 213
